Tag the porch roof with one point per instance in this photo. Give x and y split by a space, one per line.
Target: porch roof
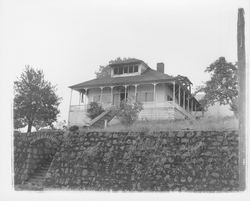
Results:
147 76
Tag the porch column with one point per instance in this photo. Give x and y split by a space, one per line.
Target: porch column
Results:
188 104
101 94
195 107
125 92
111 95
179 95
80 95
174 91
87 100
70 104
154 91
85 96
135 92
184 101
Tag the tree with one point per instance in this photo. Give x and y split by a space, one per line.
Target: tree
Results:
128 112
94 110
104 71
223 85
35 101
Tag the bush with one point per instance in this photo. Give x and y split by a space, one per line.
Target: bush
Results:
128 112
74 128
94 110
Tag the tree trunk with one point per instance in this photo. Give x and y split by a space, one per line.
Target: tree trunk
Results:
29 127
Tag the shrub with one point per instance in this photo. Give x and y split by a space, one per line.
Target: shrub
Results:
128 112
94 110
74 128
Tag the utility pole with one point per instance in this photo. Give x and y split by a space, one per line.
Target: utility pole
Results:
242 97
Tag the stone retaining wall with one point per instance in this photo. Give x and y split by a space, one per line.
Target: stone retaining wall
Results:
163 161
31 150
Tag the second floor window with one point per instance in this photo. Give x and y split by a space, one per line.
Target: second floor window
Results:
126 69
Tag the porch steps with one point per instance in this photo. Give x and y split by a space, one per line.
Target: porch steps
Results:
99 121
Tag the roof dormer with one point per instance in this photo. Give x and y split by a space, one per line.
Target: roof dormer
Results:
130 67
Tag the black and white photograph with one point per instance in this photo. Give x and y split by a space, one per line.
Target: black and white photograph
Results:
129 100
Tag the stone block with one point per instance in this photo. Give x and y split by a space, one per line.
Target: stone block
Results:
215 174
84 172
184 140
181 134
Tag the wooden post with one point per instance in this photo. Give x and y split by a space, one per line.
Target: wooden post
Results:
242 97
154 92
70 105
111 95
101 95
125 92
188 104
86 96
105 123
173 91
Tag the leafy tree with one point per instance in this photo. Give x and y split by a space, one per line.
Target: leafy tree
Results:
128 112
223 85
104 71
94 110
35 101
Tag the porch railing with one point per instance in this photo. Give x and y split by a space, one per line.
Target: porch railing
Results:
75 108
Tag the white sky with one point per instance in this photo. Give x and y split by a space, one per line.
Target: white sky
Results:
70 39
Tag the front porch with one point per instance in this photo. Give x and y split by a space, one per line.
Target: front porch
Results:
166 100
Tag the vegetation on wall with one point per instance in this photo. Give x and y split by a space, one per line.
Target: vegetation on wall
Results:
35 102
223 85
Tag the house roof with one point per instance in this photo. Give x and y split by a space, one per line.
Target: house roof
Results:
127 61
148 76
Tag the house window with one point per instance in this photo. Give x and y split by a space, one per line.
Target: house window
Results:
135 68
130 69
115 71
120 70
126 69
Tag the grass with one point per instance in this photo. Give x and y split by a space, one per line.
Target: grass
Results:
213 123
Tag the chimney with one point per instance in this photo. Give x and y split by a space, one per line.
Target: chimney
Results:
160 67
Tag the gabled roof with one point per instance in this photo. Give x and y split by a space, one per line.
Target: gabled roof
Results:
148 75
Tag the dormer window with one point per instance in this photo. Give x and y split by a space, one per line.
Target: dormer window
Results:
119 70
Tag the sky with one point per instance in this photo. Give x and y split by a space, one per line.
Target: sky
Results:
70 39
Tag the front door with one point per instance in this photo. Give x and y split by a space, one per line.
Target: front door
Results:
122 96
